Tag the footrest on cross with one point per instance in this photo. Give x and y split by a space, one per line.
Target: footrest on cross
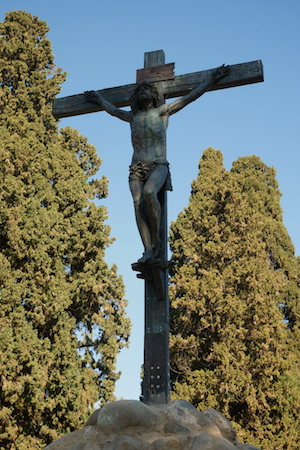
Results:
153 270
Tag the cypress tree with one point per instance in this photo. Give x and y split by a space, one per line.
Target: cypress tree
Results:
62 315
235 302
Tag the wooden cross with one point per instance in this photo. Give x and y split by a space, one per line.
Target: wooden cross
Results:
156 380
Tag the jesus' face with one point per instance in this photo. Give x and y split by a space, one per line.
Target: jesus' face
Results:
145 93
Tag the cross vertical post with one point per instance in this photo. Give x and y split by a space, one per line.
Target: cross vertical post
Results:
156 378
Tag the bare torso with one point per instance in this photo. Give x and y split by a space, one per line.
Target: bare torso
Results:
148 134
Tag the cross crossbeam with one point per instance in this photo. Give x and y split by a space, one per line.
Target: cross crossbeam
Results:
239 75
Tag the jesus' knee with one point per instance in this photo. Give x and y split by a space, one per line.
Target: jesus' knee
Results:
150 195
137 201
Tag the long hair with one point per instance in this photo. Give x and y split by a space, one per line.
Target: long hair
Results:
135 106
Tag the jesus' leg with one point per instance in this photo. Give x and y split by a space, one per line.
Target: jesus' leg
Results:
153 209
136 188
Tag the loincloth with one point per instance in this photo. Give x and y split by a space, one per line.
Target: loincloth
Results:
142 171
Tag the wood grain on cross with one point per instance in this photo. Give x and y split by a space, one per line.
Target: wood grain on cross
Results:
156 380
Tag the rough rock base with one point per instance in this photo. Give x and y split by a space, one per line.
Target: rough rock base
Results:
132 425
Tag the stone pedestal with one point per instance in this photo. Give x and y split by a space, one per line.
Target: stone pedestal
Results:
133 425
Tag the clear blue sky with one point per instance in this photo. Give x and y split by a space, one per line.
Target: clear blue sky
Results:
101 44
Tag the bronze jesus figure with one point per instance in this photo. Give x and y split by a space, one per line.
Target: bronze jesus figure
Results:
149 169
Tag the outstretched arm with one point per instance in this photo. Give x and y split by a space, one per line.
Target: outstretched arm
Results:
95 97
173 107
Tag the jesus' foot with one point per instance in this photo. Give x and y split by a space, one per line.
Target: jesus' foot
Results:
147 255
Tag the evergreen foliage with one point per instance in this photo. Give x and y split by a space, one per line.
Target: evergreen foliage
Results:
235 303
62 315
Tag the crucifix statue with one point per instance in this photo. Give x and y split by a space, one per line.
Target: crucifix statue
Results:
149 169
149 179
